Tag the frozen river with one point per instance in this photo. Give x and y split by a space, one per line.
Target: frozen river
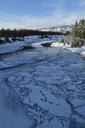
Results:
42 88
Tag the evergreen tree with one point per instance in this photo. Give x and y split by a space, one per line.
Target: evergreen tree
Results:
79 29
75 29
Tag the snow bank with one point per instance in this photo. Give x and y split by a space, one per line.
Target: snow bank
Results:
57 44
80 50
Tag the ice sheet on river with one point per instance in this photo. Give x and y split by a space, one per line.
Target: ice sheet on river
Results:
51 88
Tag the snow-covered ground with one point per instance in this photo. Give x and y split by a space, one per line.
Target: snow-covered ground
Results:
34 40
43 88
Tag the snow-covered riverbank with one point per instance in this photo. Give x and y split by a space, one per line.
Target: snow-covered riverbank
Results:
78 50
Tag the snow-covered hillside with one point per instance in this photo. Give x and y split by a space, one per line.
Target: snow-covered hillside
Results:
43 87
60 28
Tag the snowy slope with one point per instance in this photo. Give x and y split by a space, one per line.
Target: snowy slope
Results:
60 28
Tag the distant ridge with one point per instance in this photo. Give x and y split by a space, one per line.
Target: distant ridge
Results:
59 28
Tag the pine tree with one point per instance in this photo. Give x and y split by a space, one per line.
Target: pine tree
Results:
79 29
75 29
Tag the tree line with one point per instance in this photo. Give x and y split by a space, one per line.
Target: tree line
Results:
25 32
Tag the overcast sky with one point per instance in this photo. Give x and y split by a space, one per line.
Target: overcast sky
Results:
40 13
